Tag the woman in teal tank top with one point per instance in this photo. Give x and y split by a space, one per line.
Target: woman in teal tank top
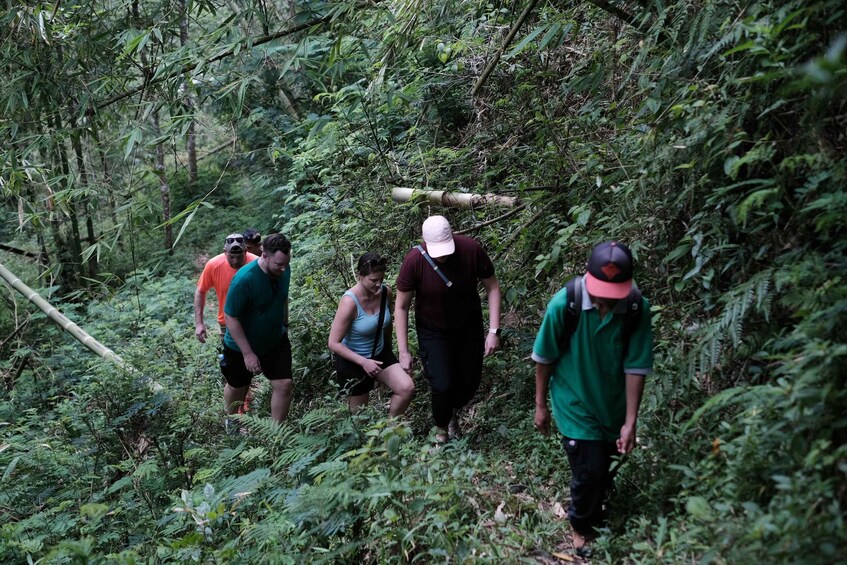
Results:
352 337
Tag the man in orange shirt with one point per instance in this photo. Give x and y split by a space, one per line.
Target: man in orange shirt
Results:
217 274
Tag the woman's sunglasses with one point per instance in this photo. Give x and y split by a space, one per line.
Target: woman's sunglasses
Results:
381 262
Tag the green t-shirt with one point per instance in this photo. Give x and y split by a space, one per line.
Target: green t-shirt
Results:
259 303
588 384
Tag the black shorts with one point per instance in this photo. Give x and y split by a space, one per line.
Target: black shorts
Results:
276 364
353 380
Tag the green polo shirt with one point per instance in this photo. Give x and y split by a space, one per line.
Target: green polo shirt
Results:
588 384
259 303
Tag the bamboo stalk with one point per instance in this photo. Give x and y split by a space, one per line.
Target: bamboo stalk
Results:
508 41
453 199
66 324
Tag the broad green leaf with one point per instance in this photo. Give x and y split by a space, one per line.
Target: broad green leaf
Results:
524 42
135 136
698 507
10 468
755 200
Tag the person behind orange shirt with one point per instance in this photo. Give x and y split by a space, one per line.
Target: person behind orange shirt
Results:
217 274
253 241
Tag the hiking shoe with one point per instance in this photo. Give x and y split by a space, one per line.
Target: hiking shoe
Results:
585 552
232 427
454 431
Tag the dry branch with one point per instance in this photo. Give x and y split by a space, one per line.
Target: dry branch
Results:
249 42
614 10
508 41
479 226
602 4
246 43
453 199
17 251
516 233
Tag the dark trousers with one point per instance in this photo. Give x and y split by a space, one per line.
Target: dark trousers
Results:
453 366
591 482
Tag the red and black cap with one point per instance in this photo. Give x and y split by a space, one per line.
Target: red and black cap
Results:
609 271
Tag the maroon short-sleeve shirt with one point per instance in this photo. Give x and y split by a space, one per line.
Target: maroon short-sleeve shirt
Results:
455 309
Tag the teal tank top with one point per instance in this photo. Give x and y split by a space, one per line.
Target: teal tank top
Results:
360 336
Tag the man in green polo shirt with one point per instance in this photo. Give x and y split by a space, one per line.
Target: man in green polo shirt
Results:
594 375
256 339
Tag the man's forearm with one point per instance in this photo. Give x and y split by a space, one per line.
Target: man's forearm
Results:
199 306
401 326
634 392
495 297
542 384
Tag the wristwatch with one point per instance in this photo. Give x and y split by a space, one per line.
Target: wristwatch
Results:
495 331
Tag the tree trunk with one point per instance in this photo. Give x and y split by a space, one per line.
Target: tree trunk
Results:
188 102
87 204
64 164
106 171
68 276
164 188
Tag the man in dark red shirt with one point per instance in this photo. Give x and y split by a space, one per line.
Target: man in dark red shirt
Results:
443 275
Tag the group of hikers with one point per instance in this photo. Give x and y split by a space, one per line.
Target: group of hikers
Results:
591 353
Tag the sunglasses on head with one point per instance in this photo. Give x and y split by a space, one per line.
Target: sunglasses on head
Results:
381 262
255 239
235 240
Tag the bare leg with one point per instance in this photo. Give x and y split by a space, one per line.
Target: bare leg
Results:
401 385
280 399
578 540
234 397
354 403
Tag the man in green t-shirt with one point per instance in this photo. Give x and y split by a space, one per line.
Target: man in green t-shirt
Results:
256 339
594 374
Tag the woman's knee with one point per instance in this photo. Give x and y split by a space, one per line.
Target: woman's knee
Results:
284 386
404 388
398 381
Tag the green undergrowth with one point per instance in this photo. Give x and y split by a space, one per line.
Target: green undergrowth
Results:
710 136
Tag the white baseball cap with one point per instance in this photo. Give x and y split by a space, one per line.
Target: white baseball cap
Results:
438 236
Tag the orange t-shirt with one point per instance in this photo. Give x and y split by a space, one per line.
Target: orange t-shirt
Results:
218 274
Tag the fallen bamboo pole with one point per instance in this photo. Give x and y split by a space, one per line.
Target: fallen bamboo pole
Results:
66 324
453 199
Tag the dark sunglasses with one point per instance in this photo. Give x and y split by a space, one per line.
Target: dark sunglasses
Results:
235 240
257 239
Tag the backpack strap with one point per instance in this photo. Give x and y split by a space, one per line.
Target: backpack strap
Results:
434 266
572 312
380 321
632 317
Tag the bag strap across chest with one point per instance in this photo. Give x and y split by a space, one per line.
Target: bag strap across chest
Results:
434 266
380 321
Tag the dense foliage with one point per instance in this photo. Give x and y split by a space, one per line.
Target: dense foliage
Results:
709 135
